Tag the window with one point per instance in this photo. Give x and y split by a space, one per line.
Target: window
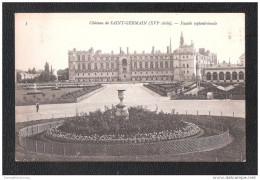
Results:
124 62
135 58
95 65
215 76
101 66
107 65
83 57
171 64
89 58
146 64
83 66
101 58
112 65
78 66
241 75
140 57
208 76
166 64
107 58
161 64
187 65
234 76
228 76
183 65
140 65
151 57
78 57
187 71
151 65
221 76
156 57
146 57
89 66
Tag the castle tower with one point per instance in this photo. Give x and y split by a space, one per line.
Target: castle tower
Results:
181 40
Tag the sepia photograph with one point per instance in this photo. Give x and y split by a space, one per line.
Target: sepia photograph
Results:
144 87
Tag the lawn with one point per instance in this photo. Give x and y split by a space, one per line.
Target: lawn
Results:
49 96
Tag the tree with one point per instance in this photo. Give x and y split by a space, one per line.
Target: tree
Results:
18 76
63 74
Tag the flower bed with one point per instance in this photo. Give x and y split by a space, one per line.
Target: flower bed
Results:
189 130
142 126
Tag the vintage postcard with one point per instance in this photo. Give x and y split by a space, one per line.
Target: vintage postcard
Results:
145 87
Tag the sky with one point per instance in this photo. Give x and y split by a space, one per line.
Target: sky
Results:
47 37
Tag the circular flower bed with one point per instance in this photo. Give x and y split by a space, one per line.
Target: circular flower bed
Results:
142 126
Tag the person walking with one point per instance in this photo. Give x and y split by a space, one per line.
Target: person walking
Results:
37 107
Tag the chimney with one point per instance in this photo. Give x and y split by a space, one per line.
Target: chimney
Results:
167 49
153 50
127 50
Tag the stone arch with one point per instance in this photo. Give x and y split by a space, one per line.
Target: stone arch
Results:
241 75
228 76
234 75
215 76
208 76
124 62
221 76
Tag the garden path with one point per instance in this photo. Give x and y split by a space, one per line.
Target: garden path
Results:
136 94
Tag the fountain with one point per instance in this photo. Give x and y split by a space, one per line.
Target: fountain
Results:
35 90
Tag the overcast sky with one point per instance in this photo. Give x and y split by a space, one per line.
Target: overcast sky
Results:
47 37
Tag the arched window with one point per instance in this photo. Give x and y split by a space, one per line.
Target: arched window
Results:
187 65
89 66
241 75
156 57
171 64
107 65
83 57
166 64
140 65
101 66
112 65
146 64
124 62
151 65
156 65
208 76
221 76
228 76
215 76
107 58
78 66
95 65
234 76
89 58
151 57
161 64
83 66
78 57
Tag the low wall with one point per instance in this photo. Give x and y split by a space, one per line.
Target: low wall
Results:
156 148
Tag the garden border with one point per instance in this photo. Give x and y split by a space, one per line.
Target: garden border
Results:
143 149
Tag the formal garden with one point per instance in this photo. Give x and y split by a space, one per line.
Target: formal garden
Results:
49 94
142 126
